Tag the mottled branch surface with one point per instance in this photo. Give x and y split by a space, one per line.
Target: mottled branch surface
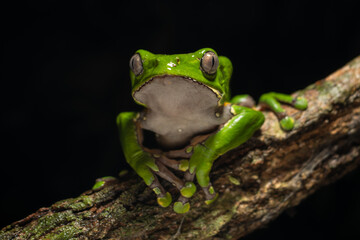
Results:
257 181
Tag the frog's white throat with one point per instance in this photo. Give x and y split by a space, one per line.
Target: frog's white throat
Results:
175 90
178 108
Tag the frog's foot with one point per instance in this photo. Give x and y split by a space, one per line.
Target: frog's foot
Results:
163 198
186 186
186 189
272 101
210 194
300 103
286 122
182 205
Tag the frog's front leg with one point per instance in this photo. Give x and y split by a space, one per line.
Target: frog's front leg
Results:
188 188
233 133
243 100
147 165
141 161
272 100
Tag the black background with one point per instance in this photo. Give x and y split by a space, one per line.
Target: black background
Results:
65 78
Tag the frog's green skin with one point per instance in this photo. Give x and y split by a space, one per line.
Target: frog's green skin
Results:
187 95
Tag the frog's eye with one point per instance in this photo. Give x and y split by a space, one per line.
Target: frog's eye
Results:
209 63
136 65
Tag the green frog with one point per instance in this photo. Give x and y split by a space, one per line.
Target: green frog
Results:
191 118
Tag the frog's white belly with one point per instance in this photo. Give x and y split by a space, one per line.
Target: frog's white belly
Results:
178 109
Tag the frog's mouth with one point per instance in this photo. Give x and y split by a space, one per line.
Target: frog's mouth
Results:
170 94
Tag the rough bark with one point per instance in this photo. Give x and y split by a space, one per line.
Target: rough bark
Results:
273 171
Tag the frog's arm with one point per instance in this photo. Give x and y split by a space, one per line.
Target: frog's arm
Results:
235 132
243 100
272 100
147 164
141 161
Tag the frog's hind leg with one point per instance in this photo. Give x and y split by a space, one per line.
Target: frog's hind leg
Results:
166 174
186 189
181 165
142 162
272 101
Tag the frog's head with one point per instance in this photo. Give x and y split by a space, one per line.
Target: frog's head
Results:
201 70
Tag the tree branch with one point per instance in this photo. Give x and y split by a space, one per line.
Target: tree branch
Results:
273 171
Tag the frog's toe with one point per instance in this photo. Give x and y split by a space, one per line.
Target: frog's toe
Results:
101 182
300 103
165 200
188 190
180 207
287 123
210 201
184 165
210 194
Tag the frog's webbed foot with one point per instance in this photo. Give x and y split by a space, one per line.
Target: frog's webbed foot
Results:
272 101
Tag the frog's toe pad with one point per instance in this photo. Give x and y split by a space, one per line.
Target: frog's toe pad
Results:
188 190
165 200
300 103
180 207
210 201
287 123
98 185
101 182
184 165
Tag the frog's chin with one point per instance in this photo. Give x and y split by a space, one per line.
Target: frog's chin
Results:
174 90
